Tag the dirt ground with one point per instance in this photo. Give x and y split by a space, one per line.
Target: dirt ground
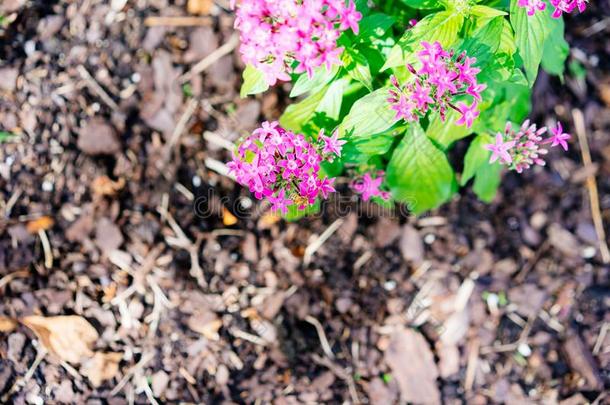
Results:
183 289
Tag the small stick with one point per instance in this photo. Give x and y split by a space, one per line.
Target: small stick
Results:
323 340
11 276
579 124
473 360
46 247
218 140
16 387
315 245
218 167
181 125
178 21
210 59
143 361
600 338
93 85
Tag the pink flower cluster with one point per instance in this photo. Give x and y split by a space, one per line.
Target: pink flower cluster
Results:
283 166
369 187
438 81
277 33
561 6
525 147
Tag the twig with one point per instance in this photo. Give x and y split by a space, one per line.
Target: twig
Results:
323 340
178 21
210 59
46 247
579 124
40 355
179 129
218 167
93 85
316 244
520 277
600 338
473 360
11 276
218 140
238 333
139 365
341 373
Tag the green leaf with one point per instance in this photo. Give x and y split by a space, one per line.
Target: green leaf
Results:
5 136
369 116
297 115
531 33
487 180
254 82
485 11
442 27
358 68
375 26
485 42
476 157
332 100
556 49
419 173
321 77
423 4
294 213
445 133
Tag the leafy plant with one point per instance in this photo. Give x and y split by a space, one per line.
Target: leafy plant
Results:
401 84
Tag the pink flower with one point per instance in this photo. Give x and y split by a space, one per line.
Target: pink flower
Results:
332 145
283 166
559 137
275 34
279 202
523 148
469 114
441 78
369 187
561 6
500 149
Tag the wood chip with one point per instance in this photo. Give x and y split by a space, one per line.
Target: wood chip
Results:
43 223
101 367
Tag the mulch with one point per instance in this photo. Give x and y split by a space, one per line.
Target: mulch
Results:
115 209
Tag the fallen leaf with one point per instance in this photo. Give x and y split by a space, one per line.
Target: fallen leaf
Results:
228 218
67 337
205 323
104 186
7 324
38 224
268 219
413 366
201 7
101 367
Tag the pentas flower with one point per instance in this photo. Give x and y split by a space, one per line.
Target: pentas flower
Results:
369 187
284 167
441 78
561 6
524 148
277 35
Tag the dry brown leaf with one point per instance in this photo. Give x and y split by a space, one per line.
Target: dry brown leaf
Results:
206 323
200 7
7 324
269 218
103 185
228 218
101 367
67 337
42 223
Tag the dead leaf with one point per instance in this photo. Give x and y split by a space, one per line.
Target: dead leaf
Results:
206 323
67 337
228 218
101 367
201 7
104 186
38 224
7 324
268 219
